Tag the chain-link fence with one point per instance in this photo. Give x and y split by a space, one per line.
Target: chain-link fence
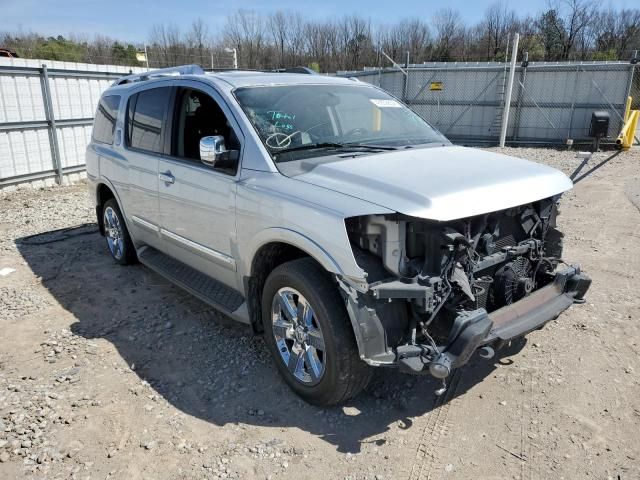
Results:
551 102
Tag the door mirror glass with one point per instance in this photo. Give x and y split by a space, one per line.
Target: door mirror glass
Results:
211 149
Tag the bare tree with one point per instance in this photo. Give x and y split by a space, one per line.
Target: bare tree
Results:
245 31
279 27
498 23
614 34
409 35
295 38
358 41
567 29
166 40
567 20
197 40
447 25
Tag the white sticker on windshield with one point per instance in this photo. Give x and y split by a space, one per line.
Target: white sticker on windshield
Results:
385 103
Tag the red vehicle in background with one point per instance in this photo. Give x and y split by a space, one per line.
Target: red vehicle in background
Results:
5 52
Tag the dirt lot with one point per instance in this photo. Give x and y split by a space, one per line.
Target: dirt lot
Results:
111 372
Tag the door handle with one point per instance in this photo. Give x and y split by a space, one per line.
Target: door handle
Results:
166 177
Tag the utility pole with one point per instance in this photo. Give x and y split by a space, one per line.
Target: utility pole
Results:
235 56
507 99
146 56
405 89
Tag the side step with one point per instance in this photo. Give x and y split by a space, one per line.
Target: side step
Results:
207 289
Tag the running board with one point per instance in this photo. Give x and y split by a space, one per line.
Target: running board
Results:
210 291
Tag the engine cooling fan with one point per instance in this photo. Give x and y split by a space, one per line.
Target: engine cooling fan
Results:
513 282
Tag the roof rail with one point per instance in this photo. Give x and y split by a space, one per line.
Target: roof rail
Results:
305 70
162 72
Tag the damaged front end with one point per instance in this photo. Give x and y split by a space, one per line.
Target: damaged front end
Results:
438 291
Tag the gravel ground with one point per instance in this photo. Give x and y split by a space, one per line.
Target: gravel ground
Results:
111 372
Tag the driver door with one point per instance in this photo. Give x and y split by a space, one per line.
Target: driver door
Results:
198 202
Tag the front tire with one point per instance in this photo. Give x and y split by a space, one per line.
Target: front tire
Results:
309 334
115 231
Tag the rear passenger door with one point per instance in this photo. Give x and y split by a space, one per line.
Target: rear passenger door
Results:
197 201
144 139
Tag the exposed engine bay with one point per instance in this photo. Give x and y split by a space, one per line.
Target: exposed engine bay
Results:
434 285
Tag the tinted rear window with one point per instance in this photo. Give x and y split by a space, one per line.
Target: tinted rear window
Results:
105 122
145 117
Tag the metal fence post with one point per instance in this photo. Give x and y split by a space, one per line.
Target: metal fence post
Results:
632 68
51 120
507 100
405 89
573 102
523 78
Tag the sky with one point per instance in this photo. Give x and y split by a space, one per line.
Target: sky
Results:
131 20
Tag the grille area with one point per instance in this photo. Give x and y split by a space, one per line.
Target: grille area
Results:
506 241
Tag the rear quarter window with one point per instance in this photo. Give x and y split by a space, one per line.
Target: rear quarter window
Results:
104 123
145 118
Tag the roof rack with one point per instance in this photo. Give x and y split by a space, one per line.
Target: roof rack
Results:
162 72
195 70
303 70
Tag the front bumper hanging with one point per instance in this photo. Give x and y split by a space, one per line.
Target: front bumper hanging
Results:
535 310
479 329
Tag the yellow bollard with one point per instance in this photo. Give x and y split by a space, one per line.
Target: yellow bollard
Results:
627 109
628 132
625 139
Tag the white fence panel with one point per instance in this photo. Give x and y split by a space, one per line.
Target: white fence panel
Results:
25 138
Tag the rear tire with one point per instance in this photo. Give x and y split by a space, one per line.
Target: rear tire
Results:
116 234
312 343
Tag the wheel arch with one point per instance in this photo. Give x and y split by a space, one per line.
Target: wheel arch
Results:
368 330
104 191
272 248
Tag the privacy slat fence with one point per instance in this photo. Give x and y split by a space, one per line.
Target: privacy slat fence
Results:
46 114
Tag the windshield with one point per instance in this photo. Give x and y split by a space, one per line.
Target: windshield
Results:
303 121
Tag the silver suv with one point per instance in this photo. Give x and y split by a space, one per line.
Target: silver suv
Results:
328 216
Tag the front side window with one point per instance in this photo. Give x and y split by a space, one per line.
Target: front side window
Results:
197 115
104 123
145 117
303 121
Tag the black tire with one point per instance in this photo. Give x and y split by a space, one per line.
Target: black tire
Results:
344 375
128 254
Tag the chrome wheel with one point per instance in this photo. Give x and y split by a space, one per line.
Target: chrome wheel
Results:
298 336
113 232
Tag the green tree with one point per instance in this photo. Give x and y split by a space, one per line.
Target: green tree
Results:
60 49
551 28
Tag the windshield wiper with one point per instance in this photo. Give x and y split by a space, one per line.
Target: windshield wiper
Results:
309 146
312 146
369 146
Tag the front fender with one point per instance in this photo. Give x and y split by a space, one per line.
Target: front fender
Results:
339 266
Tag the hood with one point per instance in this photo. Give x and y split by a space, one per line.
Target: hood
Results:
440 183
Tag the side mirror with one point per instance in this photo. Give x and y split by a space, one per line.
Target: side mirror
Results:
211 149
